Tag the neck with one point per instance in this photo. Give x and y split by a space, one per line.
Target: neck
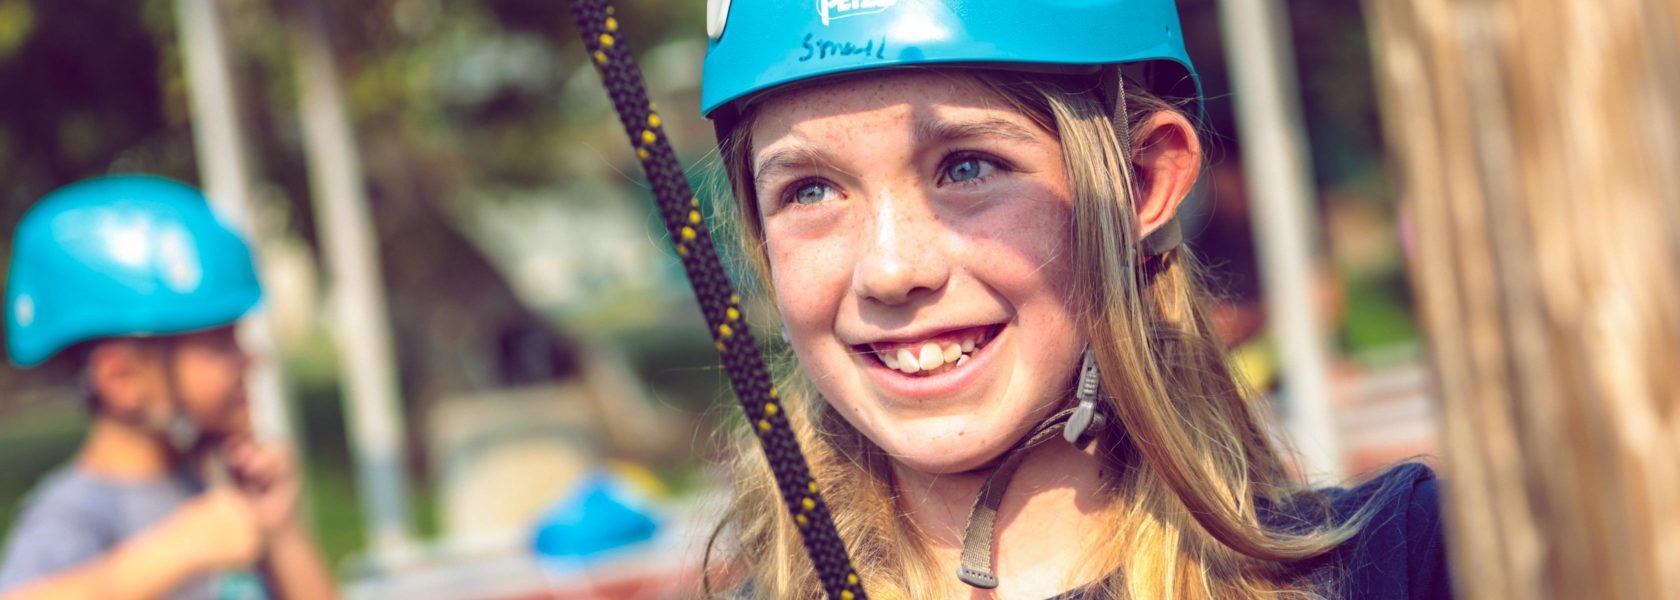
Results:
1049 510
121 450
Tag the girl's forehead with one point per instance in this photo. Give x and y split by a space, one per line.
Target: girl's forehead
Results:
903 97
885 89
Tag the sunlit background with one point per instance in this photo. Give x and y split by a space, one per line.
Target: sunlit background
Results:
542 328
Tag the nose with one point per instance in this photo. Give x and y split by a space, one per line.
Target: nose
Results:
902 257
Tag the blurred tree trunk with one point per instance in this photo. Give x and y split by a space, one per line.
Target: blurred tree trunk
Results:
372 397
457 325
1536 143
219 140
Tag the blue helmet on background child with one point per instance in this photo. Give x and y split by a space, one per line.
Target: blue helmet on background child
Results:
126 255
757 45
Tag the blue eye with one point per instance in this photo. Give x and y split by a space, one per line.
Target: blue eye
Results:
967 168
812 192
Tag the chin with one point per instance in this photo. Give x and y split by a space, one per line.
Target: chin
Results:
943 464
235 427
948 445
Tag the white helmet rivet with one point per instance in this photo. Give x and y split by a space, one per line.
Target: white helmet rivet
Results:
717 15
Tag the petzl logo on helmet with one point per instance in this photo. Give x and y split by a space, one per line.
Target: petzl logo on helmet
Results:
837 9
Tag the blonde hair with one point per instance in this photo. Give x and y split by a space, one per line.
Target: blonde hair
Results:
1186 471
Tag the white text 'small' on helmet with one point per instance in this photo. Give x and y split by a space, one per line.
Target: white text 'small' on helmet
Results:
127 255
760 45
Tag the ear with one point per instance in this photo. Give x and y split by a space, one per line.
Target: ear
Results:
116 373
1167 156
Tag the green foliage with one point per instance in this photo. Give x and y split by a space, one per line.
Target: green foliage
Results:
35 443
17 20
1379 315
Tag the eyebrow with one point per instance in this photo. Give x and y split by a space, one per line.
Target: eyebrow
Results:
934 130
792 157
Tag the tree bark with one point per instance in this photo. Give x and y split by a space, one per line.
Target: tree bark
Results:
1535 143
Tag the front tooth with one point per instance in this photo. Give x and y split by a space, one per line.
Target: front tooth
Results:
952 352
907 362
890 360
931 356
968 346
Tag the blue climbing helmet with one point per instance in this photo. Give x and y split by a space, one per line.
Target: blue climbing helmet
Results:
122 256
758 45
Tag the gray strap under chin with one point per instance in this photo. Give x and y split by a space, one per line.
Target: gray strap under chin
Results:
1079 424
976 569
182 432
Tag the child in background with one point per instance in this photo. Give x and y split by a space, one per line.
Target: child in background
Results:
135 280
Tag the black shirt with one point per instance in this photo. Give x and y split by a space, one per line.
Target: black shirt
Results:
1399 554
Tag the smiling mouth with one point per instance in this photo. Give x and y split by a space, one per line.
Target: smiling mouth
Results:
934 355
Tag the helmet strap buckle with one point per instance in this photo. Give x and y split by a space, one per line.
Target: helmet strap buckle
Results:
1085 417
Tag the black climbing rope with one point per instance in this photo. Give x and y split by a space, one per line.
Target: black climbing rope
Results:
718 300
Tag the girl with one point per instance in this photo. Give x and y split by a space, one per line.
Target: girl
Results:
964 213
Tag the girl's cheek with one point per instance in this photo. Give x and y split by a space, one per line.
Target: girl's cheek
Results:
809 276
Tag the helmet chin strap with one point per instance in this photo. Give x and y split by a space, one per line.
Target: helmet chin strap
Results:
1112 87
181 432
171 422
1078 426
185 437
